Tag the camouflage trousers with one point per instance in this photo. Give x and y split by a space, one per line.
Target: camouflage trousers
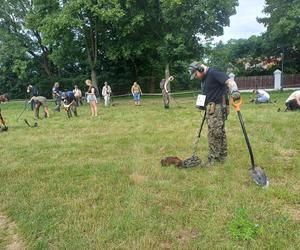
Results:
166 98
217 140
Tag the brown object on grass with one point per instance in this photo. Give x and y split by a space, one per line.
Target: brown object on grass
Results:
171 160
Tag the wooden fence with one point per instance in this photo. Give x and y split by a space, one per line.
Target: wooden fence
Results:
252 82
267 82
291 81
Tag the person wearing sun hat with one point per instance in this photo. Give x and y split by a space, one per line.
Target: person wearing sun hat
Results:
215 87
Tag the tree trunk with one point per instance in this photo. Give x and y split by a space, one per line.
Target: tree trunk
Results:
94 79
167 71
152 84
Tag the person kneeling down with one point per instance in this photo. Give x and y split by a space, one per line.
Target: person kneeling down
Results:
69 103
262 96
293 101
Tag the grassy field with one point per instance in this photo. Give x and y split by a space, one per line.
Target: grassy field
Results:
97 183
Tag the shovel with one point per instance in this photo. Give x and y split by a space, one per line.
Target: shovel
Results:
258 175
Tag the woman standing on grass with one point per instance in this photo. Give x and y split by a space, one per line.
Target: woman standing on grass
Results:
136 92
91 97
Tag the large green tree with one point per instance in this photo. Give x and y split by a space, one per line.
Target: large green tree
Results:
154 34
81 24
116 40
283 30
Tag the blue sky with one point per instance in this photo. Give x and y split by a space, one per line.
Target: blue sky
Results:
244 24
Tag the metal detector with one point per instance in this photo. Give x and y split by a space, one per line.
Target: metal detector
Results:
173 99
194 160
258 175
26 105
28 124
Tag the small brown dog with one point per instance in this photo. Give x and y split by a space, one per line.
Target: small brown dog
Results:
171 160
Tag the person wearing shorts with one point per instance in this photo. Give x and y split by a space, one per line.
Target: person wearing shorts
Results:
136 92
91 97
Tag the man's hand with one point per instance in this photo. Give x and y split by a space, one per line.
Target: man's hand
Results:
236 95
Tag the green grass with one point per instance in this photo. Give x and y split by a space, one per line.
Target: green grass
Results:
97 183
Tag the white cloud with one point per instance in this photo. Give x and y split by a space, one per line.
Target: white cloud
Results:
244 24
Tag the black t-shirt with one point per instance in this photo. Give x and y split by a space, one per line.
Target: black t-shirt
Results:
214 86
33 91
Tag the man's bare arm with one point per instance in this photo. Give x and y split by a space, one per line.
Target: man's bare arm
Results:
231 85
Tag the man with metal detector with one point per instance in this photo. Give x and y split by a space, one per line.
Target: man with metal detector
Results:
166 89
39 101
106 93
214 100
32 91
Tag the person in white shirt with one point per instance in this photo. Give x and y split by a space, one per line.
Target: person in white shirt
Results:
293 101
106 92
262 96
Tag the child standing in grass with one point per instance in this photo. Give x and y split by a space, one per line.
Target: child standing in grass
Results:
91 97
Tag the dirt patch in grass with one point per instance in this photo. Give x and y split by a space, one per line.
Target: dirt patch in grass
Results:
294 212
187 235
288 154
137 178
13 240
165 245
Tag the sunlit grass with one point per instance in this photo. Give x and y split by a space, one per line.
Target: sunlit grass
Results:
97 183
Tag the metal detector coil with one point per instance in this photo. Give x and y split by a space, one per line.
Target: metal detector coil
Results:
194 160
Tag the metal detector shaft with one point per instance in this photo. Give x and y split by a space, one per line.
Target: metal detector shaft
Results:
199 133
26 104
174 100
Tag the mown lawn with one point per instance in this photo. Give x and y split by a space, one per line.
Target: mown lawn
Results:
97 183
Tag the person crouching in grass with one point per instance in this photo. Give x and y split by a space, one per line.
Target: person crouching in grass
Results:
69 102
91 97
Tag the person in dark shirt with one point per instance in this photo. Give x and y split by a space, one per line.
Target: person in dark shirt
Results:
69 103
32 91
215 88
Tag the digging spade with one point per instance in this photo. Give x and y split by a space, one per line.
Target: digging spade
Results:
258 175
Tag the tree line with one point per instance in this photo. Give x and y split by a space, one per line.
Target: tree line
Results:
121 41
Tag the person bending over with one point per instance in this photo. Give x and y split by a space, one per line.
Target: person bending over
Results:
69 102
292 103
